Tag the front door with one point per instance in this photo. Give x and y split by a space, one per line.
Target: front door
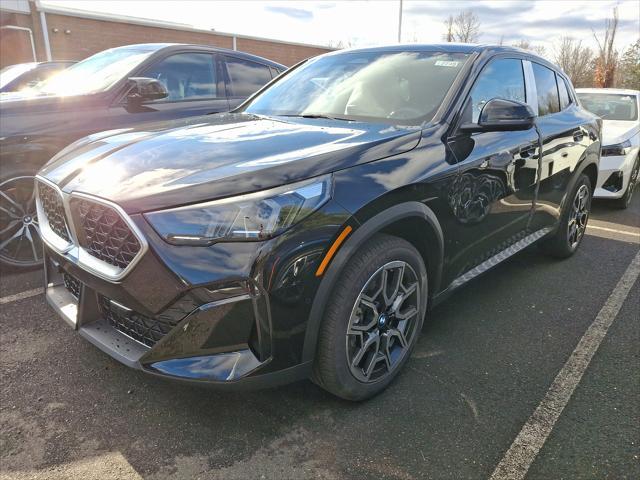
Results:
493 194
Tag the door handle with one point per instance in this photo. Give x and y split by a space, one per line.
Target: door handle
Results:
527 151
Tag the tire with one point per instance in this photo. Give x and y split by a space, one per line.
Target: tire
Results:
573 221
624 201
350 321
20 243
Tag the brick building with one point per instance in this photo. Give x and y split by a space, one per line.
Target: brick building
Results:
29 30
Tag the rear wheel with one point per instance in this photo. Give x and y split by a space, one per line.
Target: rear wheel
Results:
573 221
372 320
20 243
624 201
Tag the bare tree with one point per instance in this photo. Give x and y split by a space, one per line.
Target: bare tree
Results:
448 23
527 45
466 27
607 59
340 44
575 60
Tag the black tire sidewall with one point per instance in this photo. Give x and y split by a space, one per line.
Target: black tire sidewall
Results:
341 303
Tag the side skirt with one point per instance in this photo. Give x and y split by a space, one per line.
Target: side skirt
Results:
490 263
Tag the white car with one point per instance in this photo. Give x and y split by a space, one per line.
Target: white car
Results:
619 163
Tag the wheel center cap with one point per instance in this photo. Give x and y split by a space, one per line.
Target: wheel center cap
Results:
382 321
27 219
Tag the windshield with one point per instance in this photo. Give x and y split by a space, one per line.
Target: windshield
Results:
389 87
10 73
610 106
96 73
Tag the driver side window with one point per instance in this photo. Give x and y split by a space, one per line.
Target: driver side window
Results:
186 76
502 78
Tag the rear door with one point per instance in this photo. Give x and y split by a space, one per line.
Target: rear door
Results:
493 195
244 78
566 136
194 83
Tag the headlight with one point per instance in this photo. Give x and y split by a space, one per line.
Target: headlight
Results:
252 217
617 149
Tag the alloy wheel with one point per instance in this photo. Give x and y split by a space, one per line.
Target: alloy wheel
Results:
20 243
383 322
578 216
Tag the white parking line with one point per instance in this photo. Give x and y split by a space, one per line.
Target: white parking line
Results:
524 449
21 296
614 230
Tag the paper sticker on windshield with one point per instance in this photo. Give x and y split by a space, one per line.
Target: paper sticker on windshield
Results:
443 63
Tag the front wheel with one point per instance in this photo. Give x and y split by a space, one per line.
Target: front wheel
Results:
573 221
20 243
372 320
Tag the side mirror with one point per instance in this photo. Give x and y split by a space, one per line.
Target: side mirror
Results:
500 115
142 89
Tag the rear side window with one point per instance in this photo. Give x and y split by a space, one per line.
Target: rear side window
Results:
548 100
246 76
502 78
565 100
186 76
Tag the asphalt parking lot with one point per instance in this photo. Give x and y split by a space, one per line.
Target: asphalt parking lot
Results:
485 362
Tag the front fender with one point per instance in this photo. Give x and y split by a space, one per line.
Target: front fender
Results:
363 233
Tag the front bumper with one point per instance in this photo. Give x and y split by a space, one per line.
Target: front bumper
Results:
613 175
229 315
215 342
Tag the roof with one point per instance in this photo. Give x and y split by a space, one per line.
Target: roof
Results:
181 46
465 48
417 47
620 91
440 47
235 53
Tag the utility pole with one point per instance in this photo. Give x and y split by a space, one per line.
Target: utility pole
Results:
400 23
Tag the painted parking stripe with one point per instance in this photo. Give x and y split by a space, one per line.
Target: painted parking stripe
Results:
634 233
108 466
524 449
593 222
21 296
613 234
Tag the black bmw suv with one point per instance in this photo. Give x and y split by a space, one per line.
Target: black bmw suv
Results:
115 88
307 233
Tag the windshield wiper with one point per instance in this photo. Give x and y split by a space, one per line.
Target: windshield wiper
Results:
319 115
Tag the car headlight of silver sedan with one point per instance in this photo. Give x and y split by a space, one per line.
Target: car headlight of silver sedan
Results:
251 217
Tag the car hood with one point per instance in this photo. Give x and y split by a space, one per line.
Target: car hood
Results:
174 163
617 131
26 115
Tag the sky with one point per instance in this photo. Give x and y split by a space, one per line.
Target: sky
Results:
364 23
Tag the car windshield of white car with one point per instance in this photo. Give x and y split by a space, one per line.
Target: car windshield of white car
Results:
610 106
